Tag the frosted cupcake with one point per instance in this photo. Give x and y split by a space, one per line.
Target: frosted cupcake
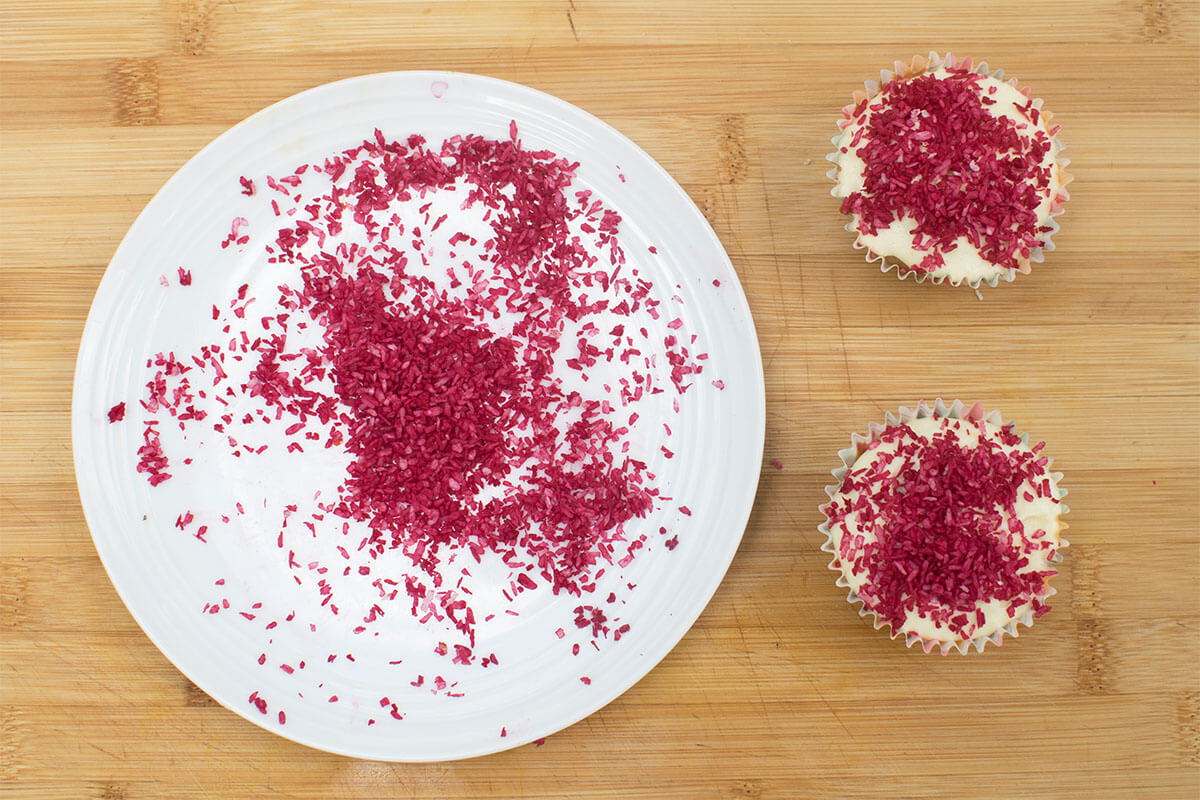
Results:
945 524
949 172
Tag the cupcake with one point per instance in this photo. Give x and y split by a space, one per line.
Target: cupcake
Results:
944 525
949 172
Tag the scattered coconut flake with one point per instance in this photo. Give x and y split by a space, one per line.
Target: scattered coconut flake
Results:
461 403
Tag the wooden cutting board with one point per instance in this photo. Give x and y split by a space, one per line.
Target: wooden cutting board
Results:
780 690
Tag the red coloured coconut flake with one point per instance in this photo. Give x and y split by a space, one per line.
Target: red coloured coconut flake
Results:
151 459
947 535
933 153
258 702
116 413
447 397
235 235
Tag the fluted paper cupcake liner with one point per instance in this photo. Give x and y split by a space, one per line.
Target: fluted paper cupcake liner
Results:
858 445
918 65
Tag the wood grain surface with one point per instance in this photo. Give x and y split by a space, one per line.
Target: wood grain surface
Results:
780 690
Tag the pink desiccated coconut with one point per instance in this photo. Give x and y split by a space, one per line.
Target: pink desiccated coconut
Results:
947 534
151 458
938 149
430 400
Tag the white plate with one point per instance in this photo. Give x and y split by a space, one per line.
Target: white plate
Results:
165 575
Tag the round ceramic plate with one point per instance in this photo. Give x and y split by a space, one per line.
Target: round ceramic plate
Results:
200 559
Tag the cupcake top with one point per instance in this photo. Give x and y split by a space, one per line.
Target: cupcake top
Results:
952 172
945 528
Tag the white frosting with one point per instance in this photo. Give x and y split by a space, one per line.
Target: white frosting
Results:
1038 514
964 262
